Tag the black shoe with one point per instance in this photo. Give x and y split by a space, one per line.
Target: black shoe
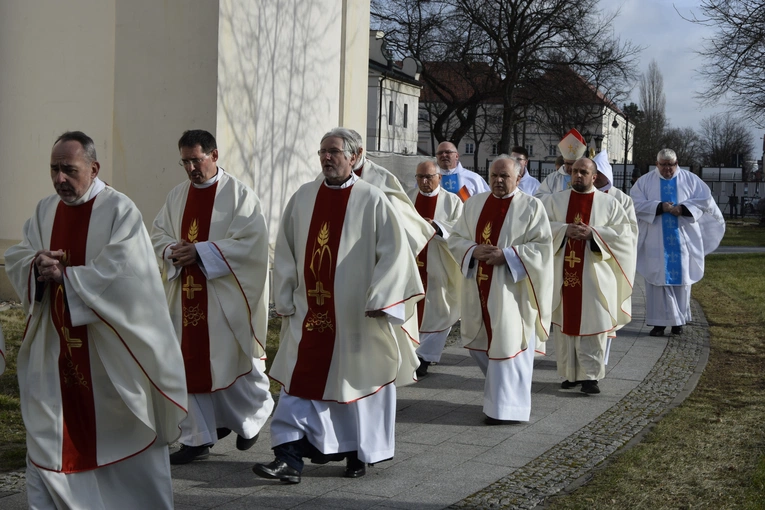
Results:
494 421
590 387
277 470
323 458
354 468
567 385
658 331
245 444
422 370
222 432
189 453
677 330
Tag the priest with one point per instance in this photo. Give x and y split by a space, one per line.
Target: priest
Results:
528 183
439 272
572 147
464 183
344 277
100 368
504 245
679 224
594 270
211 242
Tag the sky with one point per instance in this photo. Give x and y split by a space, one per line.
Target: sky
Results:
671 41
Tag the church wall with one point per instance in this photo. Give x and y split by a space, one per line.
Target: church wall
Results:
165 83
288 71
57 61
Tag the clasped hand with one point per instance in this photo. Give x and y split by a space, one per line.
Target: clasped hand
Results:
492 255
579 231
183 254
49 266
675 210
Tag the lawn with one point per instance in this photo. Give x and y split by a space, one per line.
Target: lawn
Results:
743 234
708 452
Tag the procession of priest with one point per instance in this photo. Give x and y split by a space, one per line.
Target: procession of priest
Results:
139 338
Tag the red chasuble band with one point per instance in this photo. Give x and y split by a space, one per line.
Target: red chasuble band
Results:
309 377
426 206
195 333
487 232
579 209
70 234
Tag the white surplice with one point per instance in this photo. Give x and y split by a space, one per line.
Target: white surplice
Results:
442 296
528 183
519 302
235 263
139 386
607 281
473 183
556 181
700 234
374 270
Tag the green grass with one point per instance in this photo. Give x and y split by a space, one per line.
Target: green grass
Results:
743 234
710 451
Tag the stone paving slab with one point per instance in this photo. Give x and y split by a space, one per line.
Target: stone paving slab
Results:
446 457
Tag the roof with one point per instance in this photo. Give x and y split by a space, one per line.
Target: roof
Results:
460 81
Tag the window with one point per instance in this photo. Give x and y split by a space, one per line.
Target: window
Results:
553 150
469 148
494 149
390 113
406 114
530 150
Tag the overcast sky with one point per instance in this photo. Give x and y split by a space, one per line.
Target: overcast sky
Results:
671 41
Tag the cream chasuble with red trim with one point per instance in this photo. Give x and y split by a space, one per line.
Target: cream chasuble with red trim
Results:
426 206
579 210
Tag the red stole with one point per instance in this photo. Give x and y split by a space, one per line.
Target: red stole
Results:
426 206
487 232
579 209
195 334
309 377
70 234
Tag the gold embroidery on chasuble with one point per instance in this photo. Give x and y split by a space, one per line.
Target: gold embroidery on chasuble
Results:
578 212
493 213
195 334
322 243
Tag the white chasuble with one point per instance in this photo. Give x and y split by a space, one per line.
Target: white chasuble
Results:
557 181
237 299
517 305
699 234
440 273
602 279
340 253
111 306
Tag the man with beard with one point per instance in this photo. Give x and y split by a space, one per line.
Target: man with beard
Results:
503 244
594 270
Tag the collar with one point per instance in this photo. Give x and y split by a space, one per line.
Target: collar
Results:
454 170
505 197
212 180
433 193
347 184
96 187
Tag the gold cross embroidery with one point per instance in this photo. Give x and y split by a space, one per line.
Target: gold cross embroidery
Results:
190 288
319 293
70 342
481 276
572 259
420 263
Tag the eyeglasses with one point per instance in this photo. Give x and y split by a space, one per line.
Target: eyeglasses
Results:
441 153
668 165
192 162
332 152
425 177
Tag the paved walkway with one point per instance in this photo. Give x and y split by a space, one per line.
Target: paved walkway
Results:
447 458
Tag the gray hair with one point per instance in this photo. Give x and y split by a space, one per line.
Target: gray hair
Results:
88 146
351 139
430 161
666 155
514 167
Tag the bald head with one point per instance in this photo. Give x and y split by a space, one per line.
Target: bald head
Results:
504 175
447 155
428 178
583 175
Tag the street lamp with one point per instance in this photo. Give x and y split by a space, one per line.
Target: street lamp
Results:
615 125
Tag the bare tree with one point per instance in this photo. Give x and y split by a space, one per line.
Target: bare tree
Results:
519 40
650 130
687 145
726 139
734 57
